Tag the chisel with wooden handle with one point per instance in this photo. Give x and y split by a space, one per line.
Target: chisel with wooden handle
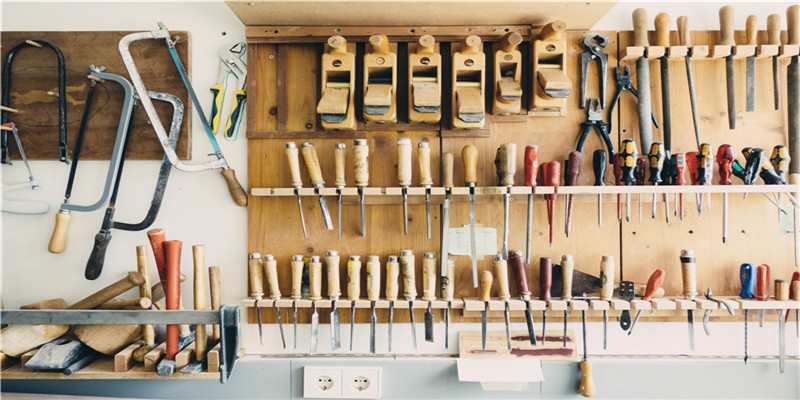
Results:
689 275
501 271
353 290
296 267
484 296
315 293
519 267
407 269
751 31
143 266
469 155
642 78
447 295
404 174
255 271
447 183
293 157
392 289
200 332
339 155
429 291
531 171
373 295
726 39
271 272
315 171
425 180
567 269
653 283
545 283
361 166
607 273
506 164
332 260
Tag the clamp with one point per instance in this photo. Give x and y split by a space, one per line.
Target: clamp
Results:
624 83
594 45
595 119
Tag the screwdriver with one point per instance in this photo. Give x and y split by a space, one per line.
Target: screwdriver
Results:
256 287
573 170
505 163
689 275
339 154
551 176
653 284
484 296
780 160
531 170
407 269
429 291
627 157
271 271
373 295
705 170
315 293
680 179
762 288
519 266
501 270
315 171
404 174
586 387
618 182
392 288
353 290
640 172
425 180
607 267
747 276
334 291
361 166
725 162
296 294
469 155
656 165
545 283
447 295
599 161
671 172
693 164
444 233
292 155
567 268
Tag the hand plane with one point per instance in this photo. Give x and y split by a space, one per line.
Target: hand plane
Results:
507 75
424 81
469 80
551 87
338 77
380 80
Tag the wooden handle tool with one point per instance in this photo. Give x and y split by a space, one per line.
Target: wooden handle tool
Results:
373 278
545 278
469 155
216 296
751 30
142 303
689 274
781 290
332 260
662 24
143 266
726 26
684 34
353 278
132 280
157 237
293 157
506 164
58 239
640 28
425 180
447 170
52 304
607 273
567 269
429 277
361 166
201 334
339 157
315 278
297 276
408 271
235 188
270 266
485 286
501 272
172 251
653 284
392 278
404 174
312 163
255 271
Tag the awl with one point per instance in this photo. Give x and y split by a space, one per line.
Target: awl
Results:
501 271
332 260
315 171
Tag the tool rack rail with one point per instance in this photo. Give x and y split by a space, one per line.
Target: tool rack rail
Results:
703 52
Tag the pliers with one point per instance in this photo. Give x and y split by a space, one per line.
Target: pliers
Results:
595 119
233 64
624 83
594 45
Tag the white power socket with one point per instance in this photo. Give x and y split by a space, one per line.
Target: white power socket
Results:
361 382
322 382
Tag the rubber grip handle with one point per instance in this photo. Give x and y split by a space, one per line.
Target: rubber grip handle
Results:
725 161
407 269
58 240
640 28
617 170
447 288
239 98
94 265
361 162
115 289
653 284
447 170
781 290
199 295
774 29
780 160
157 237
216 296
217 92
271 272
353 278
545 278
656 162
293 157
404 162
429 277
691 162
484 291
551 174
312 163
424 159
235 188
519 267
793 24
567 270
255 272
607 273
469 155
332 261
501 272
531 165
392 278
680 168
587 388
726 26
762 283
662 24
627 160
599 162
172 251
296 266
573 168
339 156
747 276
315 278
689 273
751 30
684 34
640 172
505 163
373 278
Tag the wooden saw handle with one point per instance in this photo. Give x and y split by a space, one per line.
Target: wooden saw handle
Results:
235 188
58 240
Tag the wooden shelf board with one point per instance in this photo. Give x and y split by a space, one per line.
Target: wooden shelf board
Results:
103 368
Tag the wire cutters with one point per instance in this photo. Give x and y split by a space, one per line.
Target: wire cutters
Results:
624 83
594 45
233 64
595 119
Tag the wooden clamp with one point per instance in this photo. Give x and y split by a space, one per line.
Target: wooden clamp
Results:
424 81
469 81
338 79
551 87
380 80
507 98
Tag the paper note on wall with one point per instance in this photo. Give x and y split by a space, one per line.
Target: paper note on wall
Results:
458 243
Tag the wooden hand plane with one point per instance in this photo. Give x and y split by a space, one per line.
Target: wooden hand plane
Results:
380 80
551 87
424 81
338 79
469 81
507 75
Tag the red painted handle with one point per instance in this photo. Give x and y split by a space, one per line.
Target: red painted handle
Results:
725 160
795 277
762 283
680 168
573 169
531 165
157 238
172 250
655 282
691 161
545 277
519 267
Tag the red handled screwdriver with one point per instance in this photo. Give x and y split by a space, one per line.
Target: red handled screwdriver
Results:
531 170
551 176
573 170
691 162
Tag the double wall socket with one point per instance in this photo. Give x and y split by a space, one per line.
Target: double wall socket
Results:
329 382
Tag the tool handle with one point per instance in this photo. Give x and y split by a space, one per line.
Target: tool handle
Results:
692 164
662 23
505 163
361 162
172 251
339 156
531 164
640 172
312 163
429 277
142 303
379 44
353 278
336 45
235 188
653 284
332 261
751 31
586 387
270 266
680 168
689 274
545 278
780 160
447 170
573 169
781 290
293 157
471 45
551 174
484 291
519 267
684 34
656 162
426 43
552 31
567 270
157 237
599 164
424 159
726 26
762 282
115 289
216 295
725 161
239 97
794 289
640 27
774 29
392 278
199 295
627 160
297 276
447 281
58 239
469 155
510 42
255 271
747 276
143 267
705 167
617 170
607 273
407 266
501 272
373 278
315 278
793 24
94 265
218 93
404 161
52 304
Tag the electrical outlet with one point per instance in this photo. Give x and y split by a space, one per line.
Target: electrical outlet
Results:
361 382
322 382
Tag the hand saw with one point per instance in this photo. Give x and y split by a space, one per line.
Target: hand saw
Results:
232 65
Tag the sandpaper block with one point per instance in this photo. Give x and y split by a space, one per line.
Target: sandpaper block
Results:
58 354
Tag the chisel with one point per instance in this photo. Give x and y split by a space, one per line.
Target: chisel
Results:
271 272
586 387
545 283
662 25
505 163
762 289
296 294
485 288
373 294
501 271
751 31
689 275
725 162
425 180
429 291
567 269
293 156
607 272
256 287
627 160
782 294
726 39
519 266
334 291
794 294
469 155
551 176
774 38
361 166
447 182
407 269
642 79
531 171
747 276
315 171
572 171
353 290
392 288
315 293
447 295
404 174
339 154
653 283
599 163
684 37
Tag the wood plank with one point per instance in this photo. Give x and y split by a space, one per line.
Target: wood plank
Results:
123 360
37 122
470 346
152 358
185 356
212 359
7 361
103 368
